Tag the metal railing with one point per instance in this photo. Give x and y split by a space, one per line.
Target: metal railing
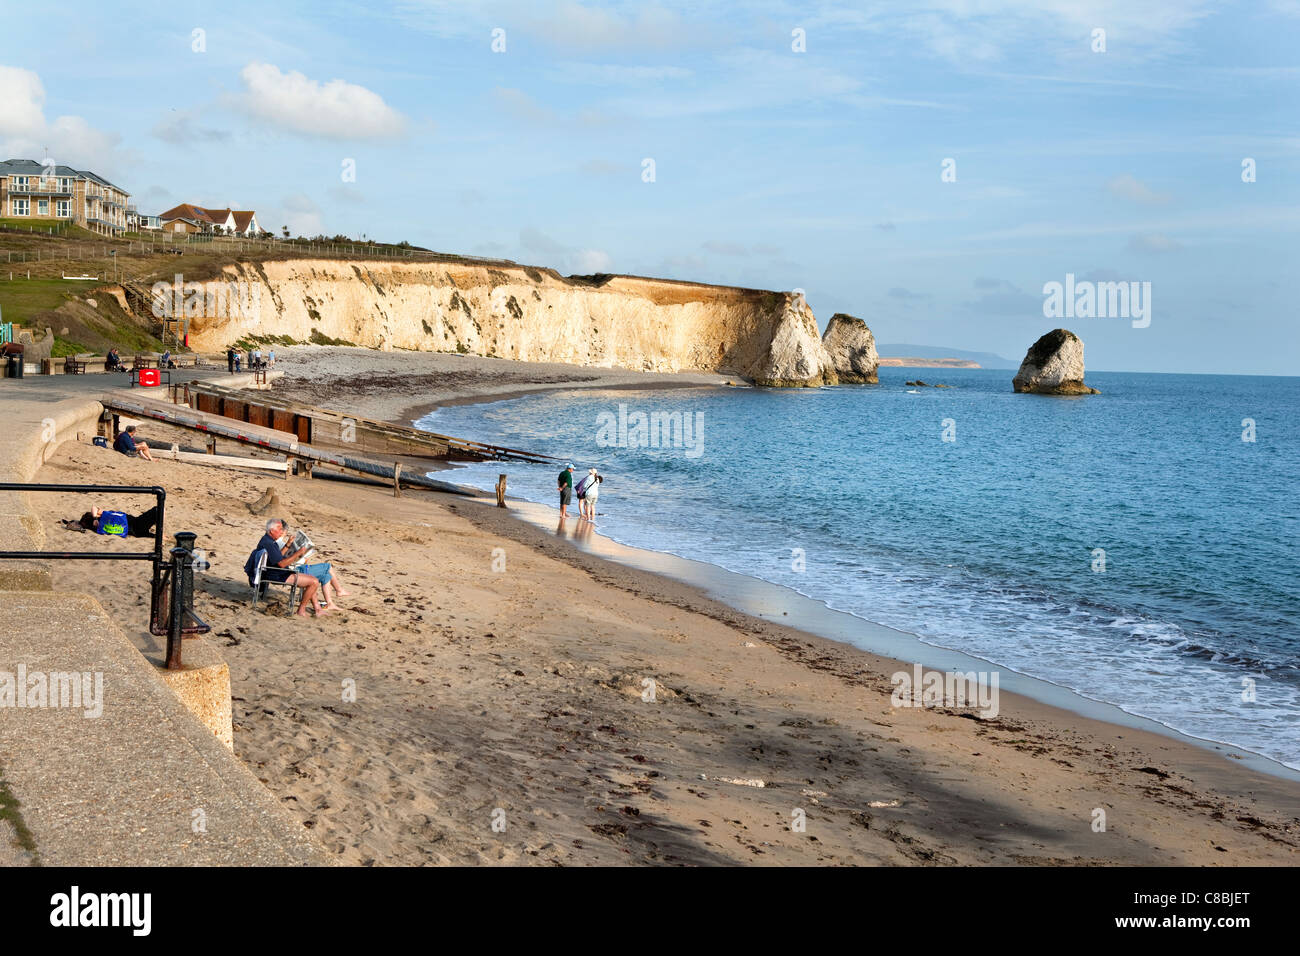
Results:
42 188
171 604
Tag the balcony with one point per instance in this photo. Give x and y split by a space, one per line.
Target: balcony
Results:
39 189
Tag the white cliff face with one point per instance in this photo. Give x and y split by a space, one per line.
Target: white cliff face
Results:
796 355
1053 366
851 350
517 312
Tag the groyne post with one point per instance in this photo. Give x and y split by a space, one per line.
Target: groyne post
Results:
501 491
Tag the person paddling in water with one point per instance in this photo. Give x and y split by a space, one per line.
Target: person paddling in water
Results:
588 491
564 485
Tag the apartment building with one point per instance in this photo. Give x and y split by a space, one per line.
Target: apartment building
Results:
33 191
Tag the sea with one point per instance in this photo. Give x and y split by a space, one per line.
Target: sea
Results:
1136 547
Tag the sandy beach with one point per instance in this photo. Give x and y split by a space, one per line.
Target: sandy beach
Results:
401 386
519 701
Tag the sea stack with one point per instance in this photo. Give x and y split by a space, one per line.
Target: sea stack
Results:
851 350
795 357
1053 366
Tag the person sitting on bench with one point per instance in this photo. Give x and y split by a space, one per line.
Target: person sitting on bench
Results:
113 361
325 574
131 446
279 567
138 526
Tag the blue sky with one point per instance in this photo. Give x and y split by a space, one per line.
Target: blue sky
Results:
818 170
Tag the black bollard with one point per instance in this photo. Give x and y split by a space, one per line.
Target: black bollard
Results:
180 570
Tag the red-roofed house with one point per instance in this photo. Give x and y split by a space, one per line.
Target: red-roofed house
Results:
188 218
246 222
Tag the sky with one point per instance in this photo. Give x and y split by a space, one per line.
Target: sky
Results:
928 166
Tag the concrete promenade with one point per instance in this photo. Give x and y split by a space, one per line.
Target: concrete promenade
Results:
121 773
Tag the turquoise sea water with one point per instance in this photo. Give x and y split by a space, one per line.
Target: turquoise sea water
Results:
987 543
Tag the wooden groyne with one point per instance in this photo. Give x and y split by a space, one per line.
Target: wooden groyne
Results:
270 439
326 428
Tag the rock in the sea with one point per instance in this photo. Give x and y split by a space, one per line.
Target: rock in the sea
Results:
1053 366
795 357
851 350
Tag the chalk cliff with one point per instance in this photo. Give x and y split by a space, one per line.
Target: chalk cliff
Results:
1053 366
851 350
517 312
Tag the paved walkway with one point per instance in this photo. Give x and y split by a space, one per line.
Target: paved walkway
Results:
143 782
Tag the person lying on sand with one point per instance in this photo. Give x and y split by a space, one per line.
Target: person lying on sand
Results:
131 446
115 523
278 567
331 586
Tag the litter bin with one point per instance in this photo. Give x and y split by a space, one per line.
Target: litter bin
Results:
14 365
47 366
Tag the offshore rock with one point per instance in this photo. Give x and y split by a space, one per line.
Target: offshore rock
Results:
851 350
1053 366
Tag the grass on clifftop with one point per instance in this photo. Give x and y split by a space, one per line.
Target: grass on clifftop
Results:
22 298
32 303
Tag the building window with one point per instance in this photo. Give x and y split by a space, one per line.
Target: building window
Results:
20 207
63 209
65 182
42 207
20 182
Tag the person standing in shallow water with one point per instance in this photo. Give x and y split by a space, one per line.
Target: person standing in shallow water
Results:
588 491
564 485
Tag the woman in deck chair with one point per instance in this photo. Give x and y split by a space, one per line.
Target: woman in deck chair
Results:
279 567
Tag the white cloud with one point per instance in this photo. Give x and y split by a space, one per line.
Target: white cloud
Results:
180 129
1130 187
299 212
575 25
335 109
522 106
26 134
1154 243
982 31
565 259
605 74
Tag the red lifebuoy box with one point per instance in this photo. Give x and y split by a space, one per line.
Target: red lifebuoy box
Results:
150 377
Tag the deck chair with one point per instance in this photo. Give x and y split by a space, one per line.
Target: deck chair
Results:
260 581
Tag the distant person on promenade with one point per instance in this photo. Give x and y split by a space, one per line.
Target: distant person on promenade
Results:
255 359
239 362
166 360
230 360
564 485
588 491
129 445
279 567
113 361
115 523
270 359
325 575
